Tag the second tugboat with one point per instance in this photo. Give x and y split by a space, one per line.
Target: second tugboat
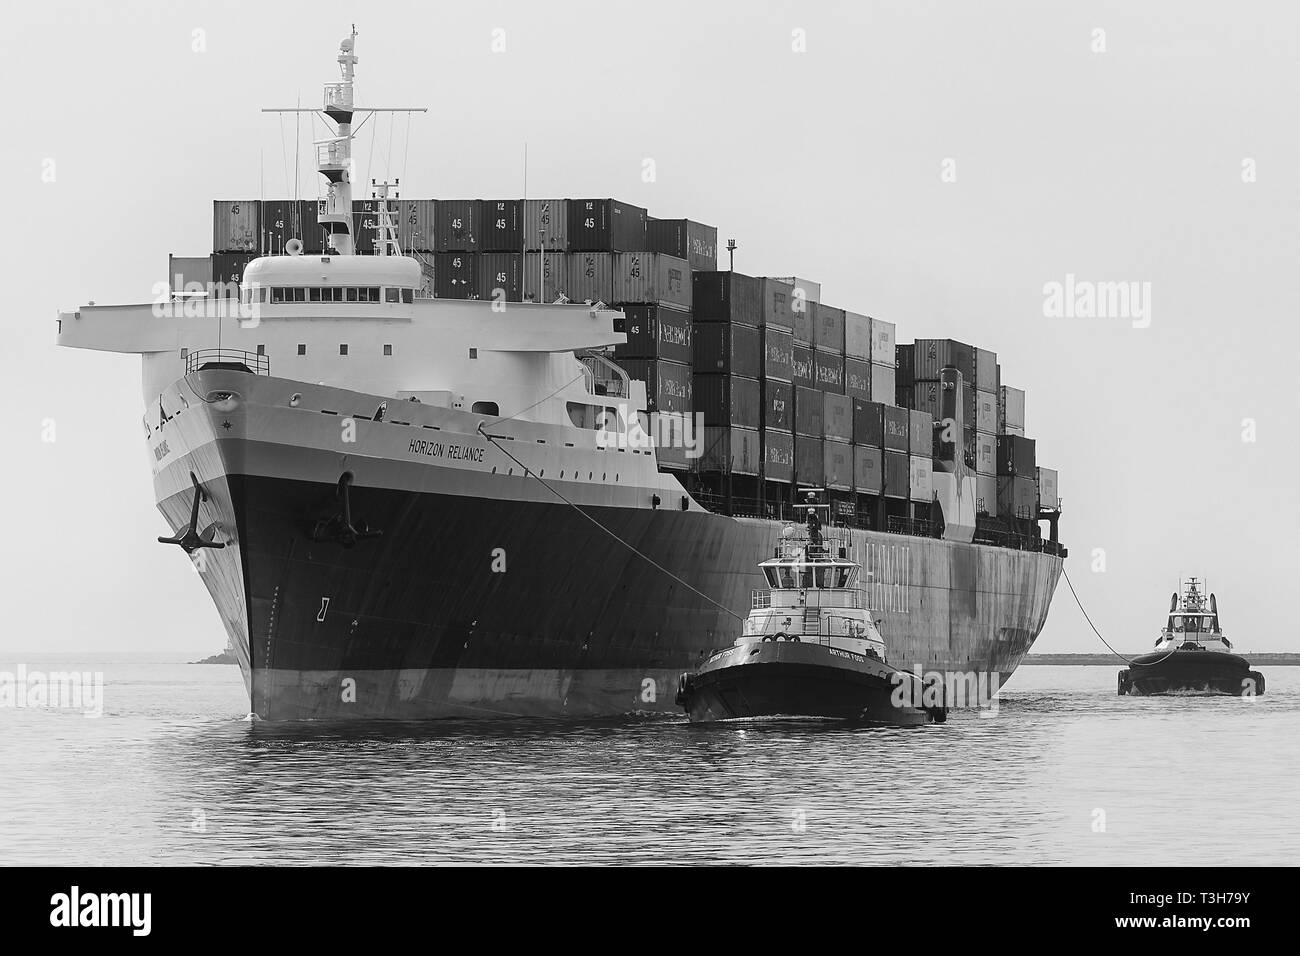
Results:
1192 655
809 647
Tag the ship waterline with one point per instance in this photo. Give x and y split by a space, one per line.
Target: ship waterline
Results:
486 595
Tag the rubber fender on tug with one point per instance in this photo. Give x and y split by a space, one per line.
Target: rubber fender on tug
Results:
685 684
1125 683
939 713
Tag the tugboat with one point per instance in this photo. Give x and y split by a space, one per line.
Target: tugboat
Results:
809 647
1193 656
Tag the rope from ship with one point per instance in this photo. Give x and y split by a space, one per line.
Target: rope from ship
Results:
1131 663
631 547
506 418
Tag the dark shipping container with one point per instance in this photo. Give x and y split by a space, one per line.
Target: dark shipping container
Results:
501 225
857 378
727 297
838 465
776 299
728 349
837 416
365 223
828 371
895 428
905 364
898 474
828 328
728 400
457 226
606 225
802 371
802 320
934 355
868 465
1017 496
668 385
778 354
778 405
655 332
285 219
778 456
500 276
868 423
731 451
808 411
455 275
1016 456
686 239
229 267
809 461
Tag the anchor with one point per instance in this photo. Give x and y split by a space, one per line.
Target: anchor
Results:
192 539
339 526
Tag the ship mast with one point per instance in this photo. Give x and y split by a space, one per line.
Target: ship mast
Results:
334 154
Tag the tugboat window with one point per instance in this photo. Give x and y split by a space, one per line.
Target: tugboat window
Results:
787 578
392 295
277 295
408 296
352 294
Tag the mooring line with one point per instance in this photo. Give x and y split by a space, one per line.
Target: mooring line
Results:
1131 663
649 560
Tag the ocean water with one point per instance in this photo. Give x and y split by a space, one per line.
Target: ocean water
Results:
1065 772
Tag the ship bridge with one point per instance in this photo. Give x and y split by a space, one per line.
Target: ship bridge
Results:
331 278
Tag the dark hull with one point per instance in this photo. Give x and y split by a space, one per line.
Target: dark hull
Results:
798 680
486 597
1190 673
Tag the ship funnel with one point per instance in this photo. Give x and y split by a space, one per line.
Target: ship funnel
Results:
954 484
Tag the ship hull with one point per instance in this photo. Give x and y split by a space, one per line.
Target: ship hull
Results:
781 680
488 596
1190 673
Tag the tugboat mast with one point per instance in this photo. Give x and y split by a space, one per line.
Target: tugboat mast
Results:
334 155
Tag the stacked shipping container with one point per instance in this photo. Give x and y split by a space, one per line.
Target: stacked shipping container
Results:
789 388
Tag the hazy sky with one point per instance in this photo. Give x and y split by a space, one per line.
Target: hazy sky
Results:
934 164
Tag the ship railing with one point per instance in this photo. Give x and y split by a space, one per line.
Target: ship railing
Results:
330 154
917 527
602 377
228 359
761 598
338 96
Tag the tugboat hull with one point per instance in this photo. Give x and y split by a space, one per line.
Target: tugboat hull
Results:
791 679
1192 673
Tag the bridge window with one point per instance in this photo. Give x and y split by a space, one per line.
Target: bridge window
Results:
392 295
388 350
408 296
261 350
302 349
485 408
277 294
343 350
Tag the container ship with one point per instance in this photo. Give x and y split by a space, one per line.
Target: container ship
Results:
498 458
